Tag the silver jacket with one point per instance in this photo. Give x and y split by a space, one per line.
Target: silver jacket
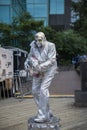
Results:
45 66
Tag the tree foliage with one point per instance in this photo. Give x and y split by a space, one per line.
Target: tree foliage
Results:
70 44
23 29
80 9
21 32
5 31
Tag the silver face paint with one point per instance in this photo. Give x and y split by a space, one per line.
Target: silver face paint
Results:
40 38
39 42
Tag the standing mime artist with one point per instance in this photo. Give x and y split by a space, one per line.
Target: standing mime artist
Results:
42 64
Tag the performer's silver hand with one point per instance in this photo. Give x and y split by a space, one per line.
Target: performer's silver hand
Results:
38 68
26 66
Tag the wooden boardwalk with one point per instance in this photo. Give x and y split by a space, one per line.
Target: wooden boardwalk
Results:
15 113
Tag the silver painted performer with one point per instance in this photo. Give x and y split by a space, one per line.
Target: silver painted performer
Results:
42 65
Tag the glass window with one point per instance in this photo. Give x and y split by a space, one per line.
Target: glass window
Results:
29 1
40 1
37 1
57 7
53 7
44 19
60 7
30 9
5 17
4 2
40 10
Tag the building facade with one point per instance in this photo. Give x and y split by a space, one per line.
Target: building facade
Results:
38 9
60 14
11 8
55 13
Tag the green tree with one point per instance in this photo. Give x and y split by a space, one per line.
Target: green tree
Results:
23 29
50 33
69 44
5 33
80 8
21 32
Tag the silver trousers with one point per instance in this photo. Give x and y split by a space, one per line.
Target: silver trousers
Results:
40 91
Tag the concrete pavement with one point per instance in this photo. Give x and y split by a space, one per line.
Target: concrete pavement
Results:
65 83
14 113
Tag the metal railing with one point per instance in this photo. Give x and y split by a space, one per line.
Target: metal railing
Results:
19 87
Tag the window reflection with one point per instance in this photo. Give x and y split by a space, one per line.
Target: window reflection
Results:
38 9
30 1
40 1
57 7
37 1
30 9
6 13
43 19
